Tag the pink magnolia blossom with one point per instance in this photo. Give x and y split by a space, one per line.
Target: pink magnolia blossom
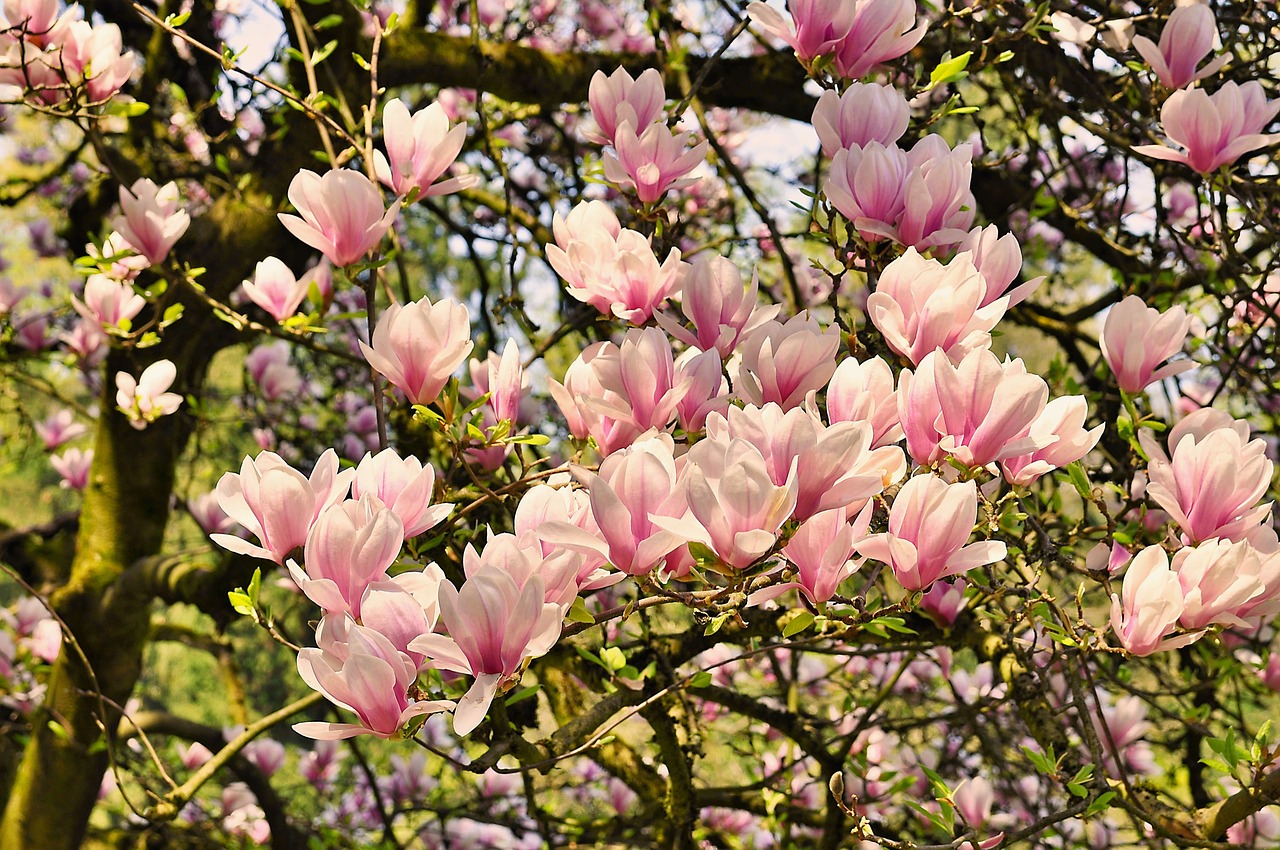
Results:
58 428
1145 615
1217 578
91 55
1060 428
86 342
143 400
116 258
73 465
493 626
358 669
350 546
977 411
546 506
834 465
1136 339
612 269
617 98
1187 38
706 391
417 346
822 551
523 559
1212 479
209 515
151 221
721 309
405 485
276 503
944 601
882 30
342 214
920 305
929 525
36 18
820 25
865 184
404 607
999 260
633 488
275 289
783 363
10 295
863 392
577 396
1214 130
737 509
865 112
108 302
642 380
653 162
31 332
938 204
420 148
502 377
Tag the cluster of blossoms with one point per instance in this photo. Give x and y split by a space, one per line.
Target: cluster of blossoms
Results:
53 56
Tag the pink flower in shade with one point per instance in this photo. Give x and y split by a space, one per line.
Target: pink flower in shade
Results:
938 204
275 289
1113 558
209 515
865 112
633 487
116 257
144 400
59 428
417 346
193 756
73 465
1214 130
617 98
151 221
1187 38
999 260
91 56
977 412
929 524
108 302
737 510
863 392
350 546
358 669
1060 427
822 552
342 214
31 332
1144 615
865 184
1217 578
1213 477
405 485
882 30
493 627
920 305
276 503
10 295
87 342
1136 339
653 162
36 18
706 391
944 601
420 148
1270 675
783 363
721 309
834 466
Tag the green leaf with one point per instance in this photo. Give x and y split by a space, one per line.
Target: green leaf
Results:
323 53
1100 805
328 22
240 602
613 658
177 20
522 694
578 612
255 586
715 624
950 69
797 624
1080 480
701 679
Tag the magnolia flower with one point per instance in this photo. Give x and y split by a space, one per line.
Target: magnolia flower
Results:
108 302
721 309
929 524
1187 38
865 112
1136 339
783 363
653 162
144 400
1144 617
1215 130
617 98
59 428
73 466
151 220
275 289
405 486
342 214
350 546
417 346
420 148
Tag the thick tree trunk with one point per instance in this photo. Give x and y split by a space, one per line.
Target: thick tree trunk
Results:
125 508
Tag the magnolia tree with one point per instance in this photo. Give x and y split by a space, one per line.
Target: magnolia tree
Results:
846 423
